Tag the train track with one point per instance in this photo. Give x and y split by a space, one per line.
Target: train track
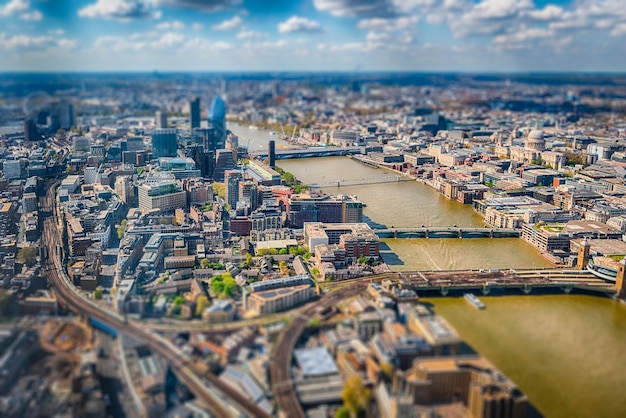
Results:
181 366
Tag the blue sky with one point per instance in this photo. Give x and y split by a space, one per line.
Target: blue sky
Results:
312 35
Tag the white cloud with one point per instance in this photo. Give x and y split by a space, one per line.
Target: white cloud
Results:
34 16
250 34
356 8
14 7
201 5
20 8
229 24
24 43
175 24
297 24
123 10
197 26
390 24
548 13
155 41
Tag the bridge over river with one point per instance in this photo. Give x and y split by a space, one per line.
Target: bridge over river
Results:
486 281
447 232
385 178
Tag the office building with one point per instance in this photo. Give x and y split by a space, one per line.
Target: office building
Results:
81 145
160 120
91 175
29 202
303 208
272 154
12 169
217 120
66 115
231 179
164 143
30 130
270 301
125 189
224 160
194 114
164 195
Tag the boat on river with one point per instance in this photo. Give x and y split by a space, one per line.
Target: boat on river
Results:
471 298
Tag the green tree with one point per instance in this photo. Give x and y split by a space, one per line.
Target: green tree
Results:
284 268
97 294
27 256
362 260
178 300
342 412
356 397
283 251
121 229
315 272
201 304
217 285
205 263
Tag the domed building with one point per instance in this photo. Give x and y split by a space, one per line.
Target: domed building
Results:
535 140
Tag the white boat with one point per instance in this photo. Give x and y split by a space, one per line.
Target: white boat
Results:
471 298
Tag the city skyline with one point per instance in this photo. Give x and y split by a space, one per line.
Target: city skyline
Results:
312 35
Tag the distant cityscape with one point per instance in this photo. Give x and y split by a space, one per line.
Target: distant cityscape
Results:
161 257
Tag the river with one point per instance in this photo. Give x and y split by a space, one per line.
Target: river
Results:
564 351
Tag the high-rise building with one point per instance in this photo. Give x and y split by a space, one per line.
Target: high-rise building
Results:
160 120
194 113
272 154
164 195
91 175
224 161
232 178
217 119
30 130
164 143
66 115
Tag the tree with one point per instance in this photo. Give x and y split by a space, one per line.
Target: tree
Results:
27 256
362 260
356 397
201 304
97 294
121 229
178 300
315 272
283 251
342 412
205 263
284 268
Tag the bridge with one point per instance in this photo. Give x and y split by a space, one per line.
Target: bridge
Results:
288 154
447 232
486 281
385 178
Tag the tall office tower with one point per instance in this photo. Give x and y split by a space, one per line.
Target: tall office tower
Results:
272 153
248 193
194 114
217 119
30 130
66 115
164 143
223 161
160 120
232 178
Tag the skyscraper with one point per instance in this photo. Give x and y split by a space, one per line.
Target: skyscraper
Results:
272 154
217 119
164 143
160 120
30 130
194 114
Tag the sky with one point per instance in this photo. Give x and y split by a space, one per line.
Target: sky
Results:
313 35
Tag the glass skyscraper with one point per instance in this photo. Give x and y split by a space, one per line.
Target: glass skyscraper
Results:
164 143
217 119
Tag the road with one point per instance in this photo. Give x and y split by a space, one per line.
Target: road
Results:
207 388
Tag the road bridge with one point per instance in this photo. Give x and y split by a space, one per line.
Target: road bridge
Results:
447 232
